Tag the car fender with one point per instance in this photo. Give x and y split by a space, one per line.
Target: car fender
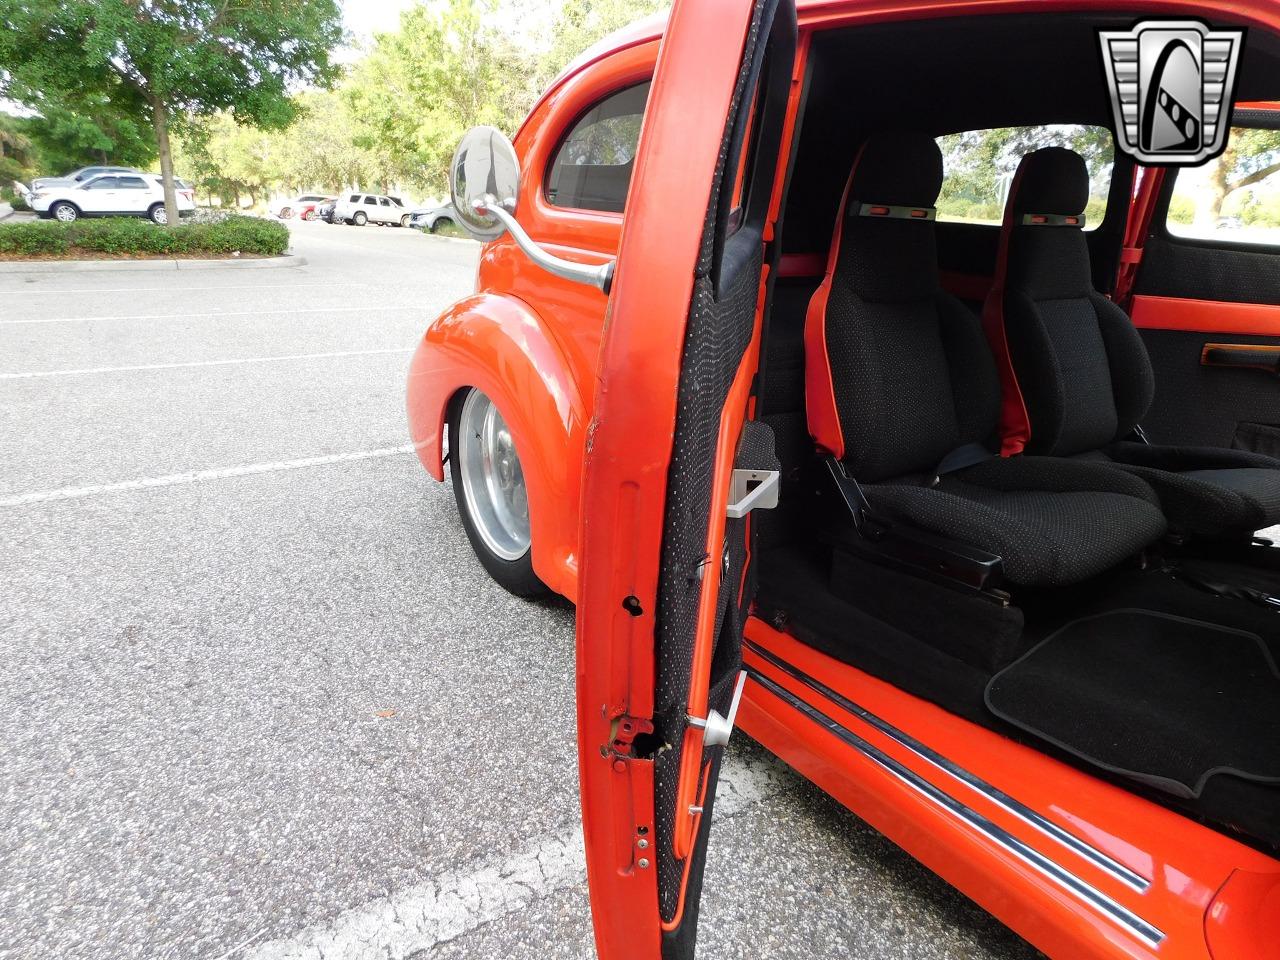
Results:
500 345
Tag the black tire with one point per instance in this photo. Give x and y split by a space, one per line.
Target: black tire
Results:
156 214
514 576
286 213
65 212
441 222
360 218
404 221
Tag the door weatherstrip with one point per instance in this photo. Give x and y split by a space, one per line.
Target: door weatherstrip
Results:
1128 877
1125 918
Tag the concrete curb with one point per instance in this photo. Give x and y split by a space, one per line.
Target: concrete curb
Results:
5 211
98 266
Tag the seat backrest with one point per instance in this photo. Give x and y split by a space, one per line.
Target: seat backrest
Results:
897 371
1073 358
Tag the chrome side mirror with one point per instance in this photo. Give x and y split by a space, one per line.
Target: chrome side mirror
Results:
484 183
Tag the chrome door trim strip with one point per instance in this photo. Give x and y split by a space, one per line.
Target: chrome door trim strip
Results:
1123 917
1130 878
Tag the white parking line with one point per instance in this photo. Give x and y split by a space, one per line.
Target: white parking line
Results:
415 920
177 288
32 374
189 316
198 476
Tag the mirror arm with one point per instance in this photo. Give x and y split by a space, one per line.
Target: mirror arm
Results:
599 276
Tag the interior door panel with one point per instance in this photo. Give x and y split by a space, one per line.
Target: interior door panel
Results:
1194 301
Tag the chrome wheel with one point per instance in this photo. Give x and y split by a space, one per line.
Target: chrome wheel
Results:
492 479
65 212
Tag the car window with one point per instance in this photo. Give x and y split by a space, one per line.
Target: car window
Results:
384 201
1234 198
86 174
978 168
591 169
354 198
102 183
371 201
132 183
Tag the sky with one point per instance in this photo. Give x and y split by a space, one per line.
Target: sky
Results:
364 18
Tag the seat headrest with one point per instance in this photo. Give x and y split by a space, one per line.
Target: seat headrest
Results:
897 169
1052 181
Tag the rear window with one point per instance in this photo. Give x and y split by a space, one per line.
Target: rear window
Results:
354 198
978 168
370 201
592 166
1234 198
137 183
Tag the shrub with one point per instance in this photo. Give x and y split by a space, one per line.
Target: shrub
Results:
125 236
32 238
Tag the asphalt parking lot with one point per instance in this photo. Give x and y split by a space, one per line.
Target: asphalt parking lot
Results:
261 702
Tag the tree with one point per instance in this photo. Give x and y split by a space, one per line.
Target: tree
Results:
1251 157
168 61
422 86
980 164
580 23
64 137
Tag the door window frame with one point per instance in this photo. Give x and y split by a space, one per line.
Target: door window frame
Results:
1252 119
551 120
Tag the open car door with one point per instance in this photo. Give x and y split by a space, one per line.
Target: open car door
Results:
674 467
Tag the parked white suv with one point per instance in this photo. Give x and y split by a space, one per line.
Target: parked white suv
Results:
110 195
362 208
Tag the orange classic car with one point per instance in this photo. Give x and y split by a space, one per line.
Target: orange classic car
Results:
896 380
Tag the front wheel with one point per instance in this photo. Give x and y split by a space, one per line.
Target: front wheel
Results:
360 219
309 216
404 221
488 484
157 214
66 212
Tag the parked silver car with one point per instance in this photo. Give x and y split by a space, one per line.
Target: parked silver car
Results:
78 176
432 219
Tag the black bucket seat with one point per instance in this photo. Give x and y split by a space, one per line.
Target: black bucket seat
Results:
1080 368
902 391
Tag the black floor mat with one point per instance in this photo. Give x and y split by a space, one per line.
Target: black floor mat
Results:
1162 699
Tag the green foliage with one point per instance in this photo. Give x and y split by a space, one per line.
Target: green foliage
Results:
1181 209
224 73
131 236
580 23
95 131
162 62
192 56
980 164
33 238
423 86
